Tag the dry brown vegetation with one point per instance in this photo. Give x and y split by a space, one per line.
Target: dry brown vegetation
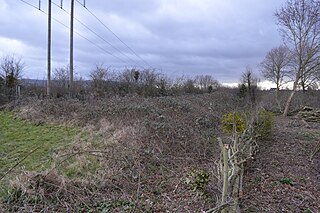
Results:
139 154
285 177
143 150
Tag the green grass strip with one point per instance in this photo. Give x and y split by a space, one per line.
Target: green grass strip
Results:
19 137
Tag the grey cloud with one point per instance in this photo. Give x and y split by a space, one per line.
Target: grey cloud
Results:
188 37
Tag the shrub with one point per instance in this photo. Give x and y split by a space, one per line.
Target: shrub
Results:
198 180
286 181
229 119
263 124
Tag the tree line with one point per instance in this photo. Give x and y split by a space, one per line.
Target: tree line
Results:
102 82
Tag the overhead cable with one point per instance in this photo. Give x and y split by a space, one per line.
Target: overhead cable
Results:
129 48
93 43
103 39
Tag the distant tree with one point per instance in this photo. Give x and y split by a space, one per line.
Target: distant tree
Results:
205 82
190 86
136 75
11 70
146 82
130 76
61 75
2 82
60 80
2 85
149 82
99 77
250 81
185 84
163 85
149 77
129 80
276 67
299 22
242 90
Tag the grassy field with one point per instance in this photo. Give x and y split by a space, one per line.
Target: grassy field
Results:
19 138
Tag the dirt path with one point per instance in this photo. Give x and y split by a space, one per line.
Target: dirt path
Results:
282 178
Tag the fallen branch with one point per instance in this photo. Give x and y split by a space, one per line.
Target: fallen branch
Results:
316 150
218 208
88 152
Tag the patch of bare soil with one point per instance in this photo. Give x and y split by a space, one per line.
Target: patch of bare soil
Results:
283 178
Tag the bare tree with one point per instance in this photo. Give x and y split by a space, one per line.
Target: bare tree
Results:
185 84
11 70
129 80
299 22
276 67
163 84
206 81
136 75
130 76
61 74
60 77
149 77
149 82
250 81
99 76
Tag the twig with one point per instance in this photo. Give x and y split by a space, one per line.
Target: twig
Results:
138 193
83 152
20 161
176 187
317 149
66 190
233 155
89 152
218 208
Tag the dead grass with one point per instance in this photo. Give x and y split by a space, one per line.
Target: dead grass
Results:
283 178
135 158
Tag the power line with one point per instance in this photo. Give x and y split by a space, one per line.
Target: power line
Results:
114 34
103 39
101 48
56 20
38 8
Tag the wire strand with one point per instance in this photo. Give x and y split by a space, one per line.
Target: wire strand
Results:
115 35
103 39
101 48
38 8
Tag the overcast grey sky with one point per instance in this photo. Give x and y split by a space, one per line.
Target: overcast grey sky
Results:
176 37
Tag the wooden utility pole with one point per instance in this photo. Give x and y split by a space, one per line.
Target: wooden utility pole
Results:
71 47
49 50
